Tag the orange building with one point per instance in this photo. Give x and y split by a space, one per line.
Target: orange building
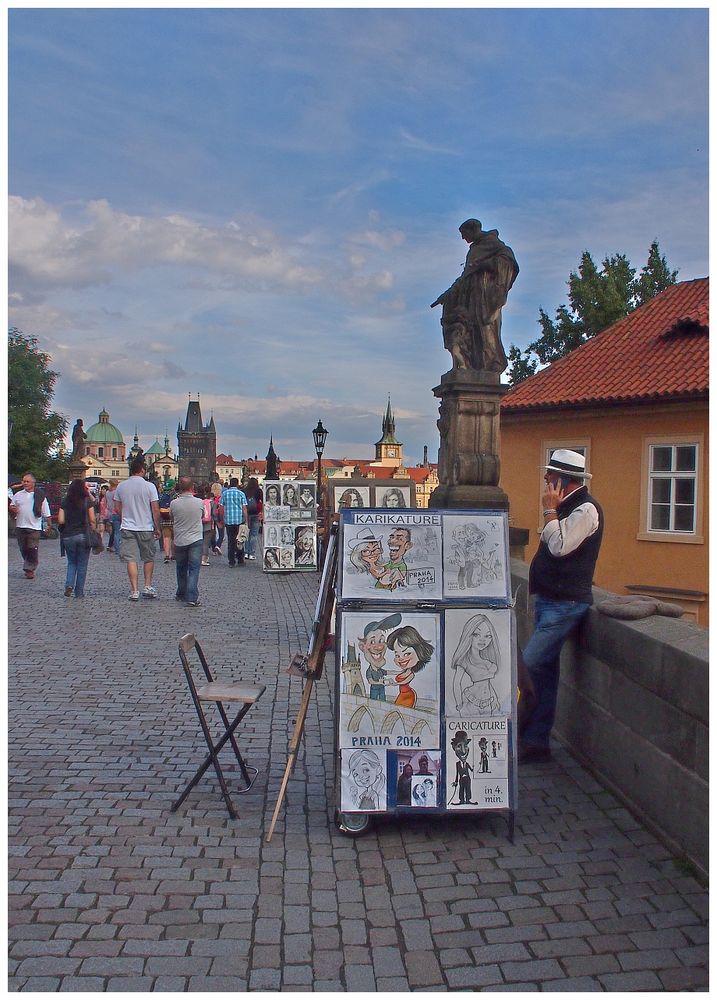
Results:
634 400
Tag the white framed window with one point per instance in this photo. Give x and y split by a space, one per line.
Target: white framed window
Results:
671 504
673 487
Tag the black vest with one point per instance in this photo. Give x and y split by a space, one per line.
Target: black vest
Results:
568 578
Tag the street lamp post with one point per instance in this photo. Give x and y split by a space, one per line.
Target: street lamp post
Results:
320 434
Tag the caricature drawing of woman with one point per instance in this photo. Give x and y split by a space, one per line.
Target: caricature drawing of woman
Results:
367 780
411 652
475 662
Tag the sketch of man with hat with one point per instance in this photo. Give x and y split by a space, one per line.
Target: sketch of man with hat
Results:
373 647
461 745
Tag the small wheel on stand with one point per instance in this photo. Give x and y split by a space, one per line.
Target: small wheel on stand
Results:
352 824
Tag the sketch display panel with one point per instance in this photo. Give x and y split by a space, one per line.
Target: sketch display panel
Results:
363 781
392 497
477 764
479 664
475 557
351 497
391 557
390 680
417 778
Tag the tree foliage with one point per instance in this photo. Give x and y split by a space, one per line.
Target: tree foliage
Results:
598 298
36 433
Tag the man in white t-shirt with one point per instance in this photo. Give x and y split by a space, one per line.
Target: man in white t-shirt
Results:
137 503
28 524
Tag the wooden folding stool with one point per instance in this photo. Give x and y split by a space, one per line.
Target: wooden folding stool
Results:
218 692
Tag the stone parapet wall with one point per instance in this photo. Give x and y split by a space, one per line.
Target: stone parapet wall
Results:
633 707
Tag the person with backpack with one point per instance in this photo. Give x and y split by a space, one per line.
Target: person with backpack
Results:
255 508
29 507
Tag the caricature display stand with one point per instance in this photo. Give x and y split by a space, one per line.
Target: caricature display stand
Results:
290 511
426 666
311 666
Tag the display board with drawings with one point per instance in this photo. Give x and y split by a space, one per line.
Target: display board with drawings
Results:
357 494
425 555
289 525
426 683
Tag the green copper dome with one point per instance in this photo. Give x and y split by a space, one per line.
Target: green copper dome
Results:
104 432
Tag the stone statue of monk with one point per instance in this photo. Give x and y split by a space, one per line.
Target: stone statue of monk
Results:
472 306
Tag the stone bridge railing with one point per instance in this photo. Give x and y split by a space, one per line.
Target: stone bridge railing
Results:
633 707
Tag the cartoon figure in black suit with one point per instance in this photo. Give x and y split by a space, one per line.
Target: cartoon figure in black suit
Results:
461 745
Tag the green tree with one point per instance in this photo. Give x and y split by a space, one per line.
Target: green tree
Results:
598 298
36 432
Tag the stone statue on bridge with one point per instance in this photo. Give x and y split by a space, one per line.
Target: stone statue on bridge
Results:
472 306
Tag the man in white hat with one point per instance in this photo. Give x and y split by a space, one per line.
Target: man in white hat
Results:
561 575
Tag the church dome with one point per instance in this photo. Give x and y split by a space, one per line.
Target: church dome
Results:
156 449
103 432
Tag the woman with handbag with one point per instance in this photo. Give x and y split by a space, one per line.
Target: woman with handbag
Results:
76 520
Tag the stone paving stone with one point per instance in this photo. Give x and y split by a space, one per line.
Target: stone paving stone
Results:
107 886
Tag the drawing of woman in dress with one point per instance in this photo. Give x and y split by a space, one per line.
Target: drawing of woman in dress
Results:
411 652
475 662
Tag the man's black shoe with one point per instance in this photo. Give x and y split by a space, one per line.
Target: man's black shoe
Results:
534 755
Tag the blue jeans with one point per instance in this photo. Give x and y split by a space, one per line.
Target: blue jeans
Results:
78 556
116 540
253 538
554 621
188 563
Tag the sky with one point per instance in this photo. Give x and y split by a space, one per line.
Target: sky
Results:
257 207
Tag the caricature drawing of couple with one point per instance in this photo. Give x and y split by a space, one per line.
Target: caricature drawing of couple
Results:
411 653
367 557
473 564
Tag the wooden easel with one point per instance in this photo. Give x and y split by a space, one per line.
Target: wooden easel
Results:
311 666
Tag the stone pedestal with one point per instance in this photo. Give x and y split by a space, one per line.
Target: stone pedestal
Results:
469 453
78 470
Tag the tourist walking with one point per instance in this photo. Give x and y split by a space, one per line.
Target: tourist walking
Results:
165 518
561 576
204 493
187 513
76 514
137 503
112 519
255 509
235 514
29 507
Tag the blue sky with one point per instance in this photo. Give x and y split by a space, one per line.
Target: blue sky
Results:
259 205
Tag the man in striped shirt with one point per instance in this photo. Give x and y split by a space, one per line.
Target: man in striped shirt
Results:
235 514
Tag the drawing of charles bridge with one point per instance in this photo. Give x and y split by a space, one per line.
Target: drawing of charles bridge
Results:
368 716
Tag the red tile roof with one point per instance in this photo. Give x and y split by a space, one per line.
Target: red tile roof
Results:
659 351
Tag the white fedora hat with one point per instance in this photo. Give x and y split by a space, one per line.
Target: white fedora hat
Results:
572 463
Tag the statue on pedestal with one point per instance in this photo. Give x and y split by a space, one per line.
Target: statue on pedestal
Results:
78 441
470 394
472 306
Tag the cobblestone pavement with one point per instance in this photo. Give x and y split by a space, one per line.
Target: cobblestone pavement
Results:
111 891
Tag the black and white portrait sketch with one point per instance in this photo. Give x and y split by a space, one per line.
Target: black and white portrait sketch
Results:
478 662
271 535
363 781
305 545
271 558
354 496
393 496
290 496
272 494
